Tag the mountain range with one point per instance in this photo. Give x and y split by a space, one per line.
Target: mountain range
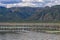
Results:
30 14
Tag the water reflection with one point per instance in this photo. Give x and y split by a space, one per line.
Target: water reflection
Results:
28 36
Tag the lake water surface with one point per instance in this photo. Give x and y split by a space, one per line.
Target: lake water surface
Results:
29 36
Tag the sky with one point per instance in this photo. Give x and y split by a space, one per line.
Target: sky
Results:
31 3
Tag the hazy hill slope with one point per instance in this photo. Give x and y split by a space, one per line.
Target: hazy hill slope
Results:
30 13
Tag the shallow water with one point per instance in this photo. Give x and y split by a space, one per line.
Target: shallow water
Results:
29 36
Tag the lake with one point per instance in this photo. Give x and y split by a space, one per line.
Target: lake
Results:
29 36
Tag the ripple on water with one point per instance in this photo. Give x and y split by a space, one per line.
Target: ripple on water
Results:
29 36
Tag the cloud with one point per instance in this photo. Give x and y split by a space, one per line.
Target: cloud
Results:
32 0
9 0
32 3
40 0
2 4
21 5
26 0
24 3
52 3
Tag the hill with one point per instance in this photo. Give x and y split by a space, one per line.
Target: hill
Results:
30 14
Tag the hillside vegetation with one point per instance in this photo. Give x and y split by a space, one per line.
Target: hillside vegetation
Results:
30 14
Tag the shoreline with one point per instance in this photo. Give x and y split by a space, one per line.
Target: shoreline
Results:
30 24
43 24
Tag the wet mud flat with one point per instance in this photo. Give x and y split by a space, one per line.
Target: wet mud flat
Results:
29 36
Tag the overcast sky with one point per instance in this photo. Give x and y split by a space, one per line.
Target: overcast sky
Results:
33 3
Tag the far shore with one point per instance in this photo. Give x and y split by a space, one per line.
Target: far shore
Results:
58 24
